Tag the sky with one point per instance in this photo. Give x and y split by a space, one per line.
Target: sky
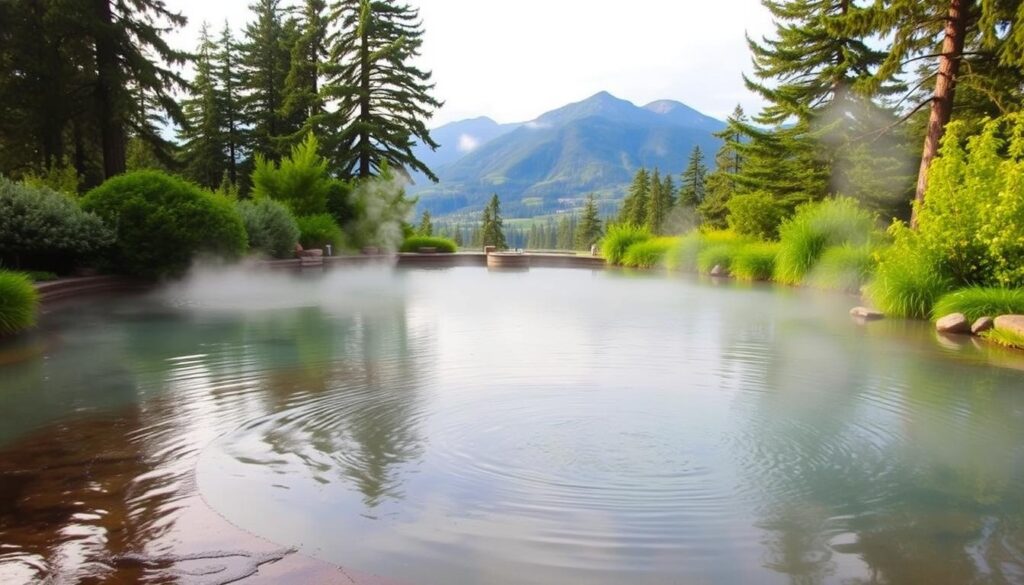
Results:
513 60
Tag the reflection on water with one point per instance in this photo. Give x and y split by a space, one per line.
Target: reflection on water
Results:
538 427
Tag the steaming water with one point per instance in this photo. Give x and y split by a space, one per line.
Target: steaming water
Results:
465 426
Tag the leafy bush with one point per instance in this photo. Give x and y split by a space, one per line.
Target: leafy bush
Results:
977 301
717 255
341 203
43 229
815 227
684 256
619 238
300 181
19 303
906 284
271 228
845 268
163 223
755 261
414 243
1005 338
648 253
755 214
39 275
317 231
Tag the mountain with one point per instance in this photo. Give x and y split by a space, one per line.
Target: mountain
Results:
456 140
550 163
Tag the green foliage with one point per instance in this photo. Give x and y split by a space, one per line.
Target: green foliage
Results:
720 254
426 227
684 256
317 231
588 232
755 214
491 233
39 275
648 253
43 229
634 206
61 177
19 303
815 227
619 238
300 180
163 223
1005 338
978 301
693 189
845 268
907 282
414 243
271 227
755 261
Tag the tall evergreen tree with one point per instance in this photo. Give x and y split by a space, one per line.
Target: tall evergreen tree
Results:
566 233
302 102
634 206
658 204
491 232
426 227
230 102
264 62
204 149
588 232
383 100
692 190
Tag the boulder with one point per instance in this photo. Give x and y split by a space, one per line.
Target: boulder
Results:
982 324
1011 323
717 270
866 313
953 323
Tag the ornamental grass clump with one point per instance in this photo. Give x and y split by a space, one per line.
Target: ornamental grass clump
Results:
414 243
1005 337
685 256
815 227
720 255
978 301
19 303
755 261
846 268
649 253
619 238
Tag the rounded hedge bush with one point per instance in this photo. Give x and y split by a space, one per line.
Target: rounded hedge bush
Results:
42 229
271 227
414 243
19 303
163 223
754 214
317 231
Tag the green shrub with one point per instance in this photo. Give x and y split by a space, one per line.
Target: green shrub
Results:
619 238
271 228
717 255
906 283
19 303
163 223
845 268
317 231
977 301
815 227
300 180
46 230
648 253
1005 338
755 261
684 256
39 275
755 214
414 243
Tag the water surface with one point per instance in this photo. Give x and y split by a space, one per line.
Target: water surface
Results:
550 426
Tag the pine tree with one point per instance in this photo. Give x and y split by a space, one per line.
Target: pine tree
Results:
302 103
566 237
692 191
426 228
491 233
634 206
204 151
230 107
588 232
264 63
657 207
383 100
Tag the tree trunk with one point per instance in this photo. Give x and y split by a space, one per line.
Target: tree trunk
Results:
112 133
942 100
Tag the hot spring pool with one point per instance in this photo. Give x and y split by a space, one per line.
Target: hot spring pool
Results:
550 426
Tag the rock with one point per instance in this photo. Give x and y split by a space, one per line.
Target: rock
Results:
866 313
982 325
1011 323
719 271
953 323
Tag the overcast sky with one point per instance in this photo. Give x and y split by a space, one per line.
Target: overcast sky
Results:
514 60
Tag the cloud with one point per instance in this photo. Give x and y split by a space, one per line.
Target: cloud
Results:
468 143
